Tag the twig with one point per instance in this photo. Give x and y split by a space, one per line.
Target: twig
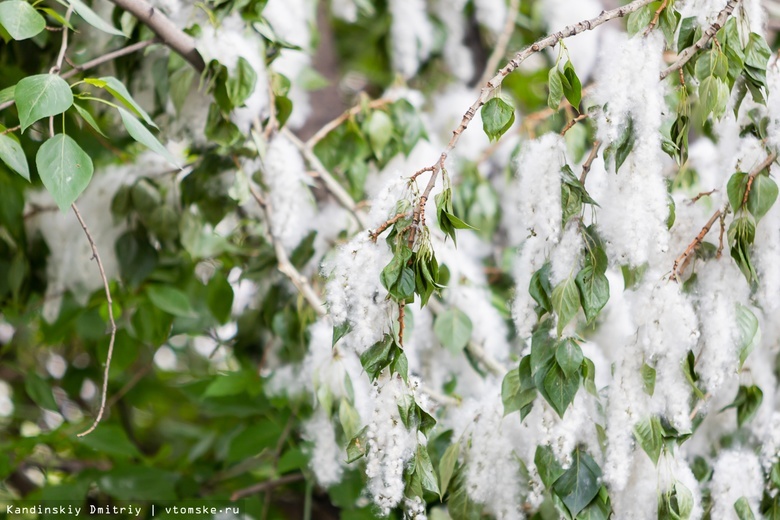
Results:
331 183
129 385
695 199
420 172
679 263
272 121
657 15
573 122
64 45
170 35
594 151
265 486
699 405
752 176
720 238
444 400
709 33
284 265
335 123
386 224
401 314
502 42
100 60
111 321
9 130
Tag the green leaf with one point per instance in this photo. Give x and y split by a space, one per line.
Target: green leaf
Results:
460 505
539 287
117 89
92 18
714 95
762 196
170 300
341 330
517 388
20 19
219 297
650 435
621 148
447 465
64 168
560 389
349 418
408 126
747 323
594 291
747 402
424 468
357 445
241 83
676 503
12 155
648 379
742 507
138 131
572 89
547 465
377 357
639 19
40 391
580 483
86 116
379 127
556 88
497 117
110 439
233 383
453 329
138 483
569 356
40 96
566 302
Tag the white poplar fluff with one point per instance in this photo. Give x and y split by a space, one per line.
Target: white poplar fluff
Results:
390 445
412 35
533 217
456 54
327 455
565 260
492 472
736 474
491 14
632 219
721 288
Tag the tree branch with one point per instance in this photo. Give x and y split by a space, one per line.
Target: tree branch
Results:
594 151
170 35
335 123
766 163
709 33
681 260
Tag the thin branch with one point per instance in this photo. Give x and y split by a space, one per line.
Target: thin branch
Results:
267 485
709 33
502 42
681 260
332 185
695 199
273 122
720 238
170 35
573 122
386 224
64 46
335 123
111 322
656 17
283 260
766 163
594 152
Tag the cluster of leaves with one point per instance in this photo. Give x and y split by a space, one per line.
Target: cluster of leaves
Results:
749 207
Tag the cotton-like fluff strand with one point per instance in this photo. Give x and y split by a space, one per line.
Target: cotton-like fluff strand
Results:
390 445
412 35
456 54
533 217
327 455
491 14
635 206
292 204
736 474
721 288
492 472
